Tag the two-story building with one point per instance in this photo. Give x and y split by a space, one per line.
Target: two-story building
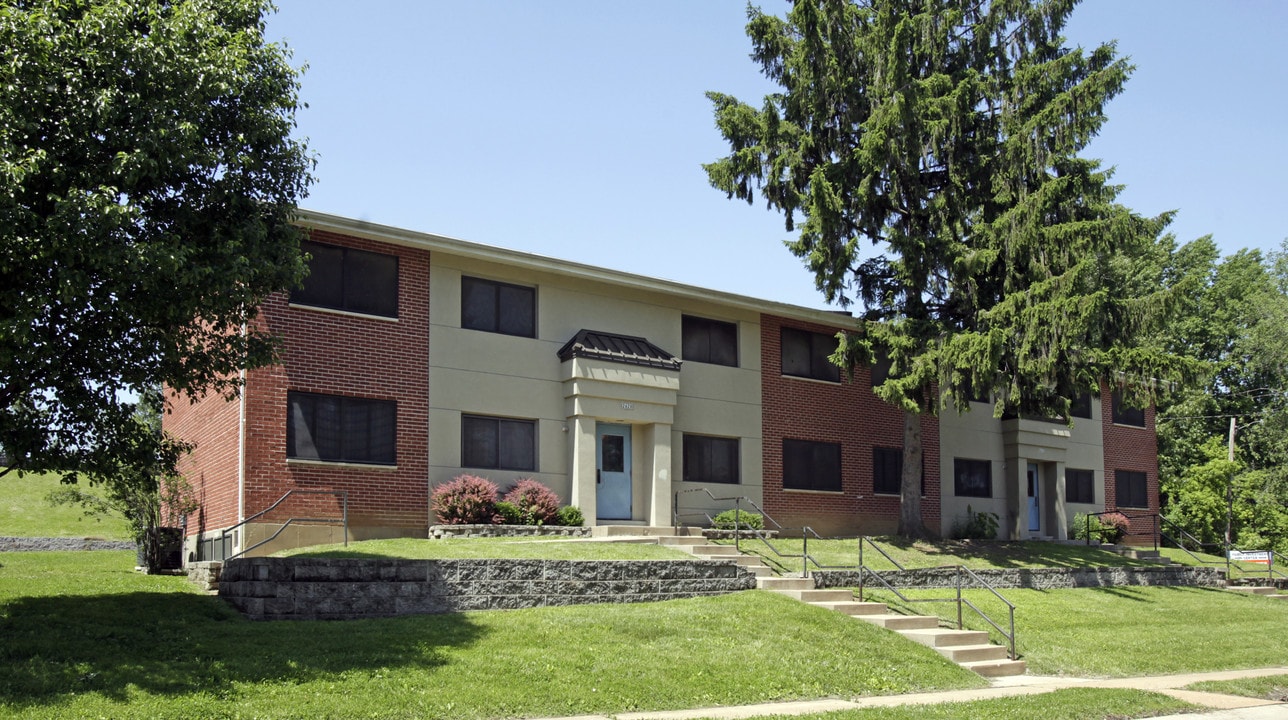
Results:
411 358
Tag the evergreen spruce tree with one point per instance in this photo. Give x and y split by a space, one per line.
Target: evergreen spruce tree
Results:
925 153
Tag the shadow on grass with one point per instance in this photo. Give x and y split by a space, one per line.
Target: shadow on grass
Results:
179 643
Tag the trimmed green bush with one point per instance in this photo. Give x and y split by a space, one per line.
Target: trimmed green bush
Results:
976 526
569 516
729 519
508 513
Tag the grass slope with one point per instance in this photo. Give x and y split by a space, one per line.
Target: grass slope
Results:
24 512
1272 687
85 636
1123 631
1070 704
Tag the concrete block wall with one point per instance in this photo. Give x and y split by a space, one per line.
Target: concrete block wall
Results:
1034 578
347 588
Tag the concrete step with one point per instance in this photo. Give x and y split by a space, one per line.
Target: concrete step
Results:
644 531
785 583
710 550
962 654
759 571
816 596
997 668
681 540
946 637
854 607
1253 589
893 621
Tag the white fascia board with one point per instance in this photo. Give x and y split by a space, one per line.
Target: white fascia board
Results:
314 220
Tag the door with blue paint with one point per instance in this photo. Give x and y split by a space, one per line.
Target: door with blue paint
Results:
613 472
1035 511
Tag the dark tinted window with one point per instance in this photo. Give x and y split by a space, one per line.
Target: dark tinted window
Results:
498 307
710 341
972 478
1131 489
351 280
498 443
341 429
1081 406
811 465
805 354
1124 415
887 470
710 459
1079 486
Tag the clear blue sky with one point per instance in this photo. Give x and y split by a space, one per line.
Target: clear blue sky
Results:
576 129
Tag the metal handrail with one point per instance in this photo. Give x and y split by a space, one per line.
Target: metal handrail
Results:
344 519
1271 572
865 571
760 535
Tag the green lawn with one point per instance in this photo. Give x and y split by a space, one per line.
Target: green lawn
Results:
1124 631
492 548
1272 687
1071 704
86 636
975 554
24 512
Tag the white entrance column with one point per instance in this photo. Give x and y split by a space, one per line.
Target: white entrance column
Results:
659 506
583 466
1056 492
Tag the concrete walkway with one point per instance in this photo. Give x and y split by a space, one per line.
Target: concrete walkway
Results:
1220 707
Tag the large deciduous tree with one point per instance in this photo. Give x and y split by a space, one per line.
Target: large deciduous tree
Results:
148 181
926 154
1234 319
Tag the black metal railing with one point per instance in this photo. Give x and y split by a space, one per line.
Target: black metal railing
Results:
343 495
961 572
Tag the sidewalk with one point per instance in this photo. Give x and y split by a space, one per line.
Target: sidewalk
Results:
1222 707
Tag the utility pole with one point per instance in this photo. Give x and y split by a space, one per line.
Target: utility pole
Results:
1229 503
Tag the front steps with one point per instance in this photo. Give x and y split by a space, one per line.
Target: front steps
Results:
969 648
1263 591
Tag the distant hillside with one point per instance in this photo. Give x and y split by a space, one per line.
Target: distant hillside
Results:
24 512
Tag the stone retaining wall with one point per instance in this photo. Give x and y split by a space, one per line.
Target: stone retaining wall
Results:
438 532
1036 578
347 588
29 544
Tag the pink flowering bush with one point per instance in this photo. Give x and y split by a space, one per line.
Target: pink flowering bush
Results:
536 503
466 500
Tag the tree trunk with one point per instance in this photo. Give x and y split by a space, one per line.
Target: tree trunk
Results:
910 523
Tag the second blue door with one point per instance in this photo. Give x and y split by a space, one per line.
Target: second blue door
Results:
613 469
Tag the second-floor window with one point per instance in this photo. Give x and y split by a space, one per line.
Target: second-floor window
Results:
498 307
351 280
709 341
806 354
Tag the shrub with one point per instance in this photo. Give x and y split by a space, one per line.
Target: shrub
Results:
569 516
728 519
466 500
1109 528
508 513
976 526
537 504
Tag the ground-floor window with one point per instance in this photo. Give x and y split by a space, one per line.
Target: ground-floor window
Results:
1131 488
1079 486
809 465
341 429
498 443
972 478
710 459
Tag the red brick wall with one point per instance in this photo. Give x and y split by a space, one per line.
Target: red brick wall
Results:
1129 448
338 354
848 414
211 424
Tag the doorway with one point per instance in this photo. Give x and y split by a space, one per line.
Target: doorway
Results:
1035 512
613 472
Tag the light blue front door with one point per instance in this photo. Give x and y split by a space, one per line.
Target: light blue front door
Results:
1035 512
613 472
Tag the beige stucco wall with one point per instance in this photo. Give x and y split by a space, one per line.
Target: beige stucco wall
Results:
491 374
976 435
